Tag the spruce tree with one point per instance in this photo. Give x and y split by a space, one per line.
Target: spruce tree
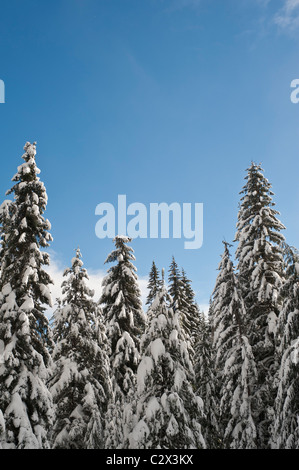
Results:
154 284
122 310
260 272
206 383
80 384
234 361
168 410
285 432
190 314
175 286
125 323
180 290
24 329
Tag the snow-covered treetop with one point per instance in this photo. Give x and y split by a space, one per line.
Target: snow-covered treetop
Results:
168 411
123 252
27 173
24 232
154 284
227 305
256 208
260 261
120 286
123 314
74 287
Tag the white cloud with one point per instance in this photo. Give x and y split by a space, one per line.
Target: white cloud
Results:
204 308
288 16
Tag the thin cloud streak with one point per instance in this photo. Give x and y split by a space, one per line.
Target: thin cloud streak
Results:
288 16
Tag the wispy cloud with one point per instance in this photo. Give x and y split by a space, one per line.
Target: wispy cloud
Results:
282 14
288 16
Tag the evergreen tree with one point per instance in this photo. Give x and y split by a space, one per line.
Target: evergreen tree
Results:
206 384
7 214
24 329
234 360
125 322
260 272
285 433
190 315
80 384
175 285
122 310
168 410
154 284
183 297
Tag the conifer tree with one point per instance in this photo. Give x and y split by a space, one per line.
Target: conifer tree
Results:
24 329
80 385
175 286
154 284
122 310
180 290
260 273
285 432
125 323
168 410
206 383
190 314
234 361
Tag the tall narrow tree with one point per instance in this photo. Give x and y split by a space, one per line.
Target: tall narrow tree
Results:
168 411
190 314
175 287
206 385
154 284
234 361
182 294
260 272
24 329
125 322
122 310
80 385
285 432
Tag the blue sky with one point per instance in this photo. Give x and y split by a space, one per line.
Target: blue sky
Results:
161 100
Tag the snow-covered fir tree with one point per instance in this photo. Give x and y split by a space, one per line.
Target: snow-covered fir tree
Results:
205 382
180 290
287 328
154 284
24 329
123 314
80 384
285 432
260 273
190 314
7 213
175 286
168 410
234 361
125 322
